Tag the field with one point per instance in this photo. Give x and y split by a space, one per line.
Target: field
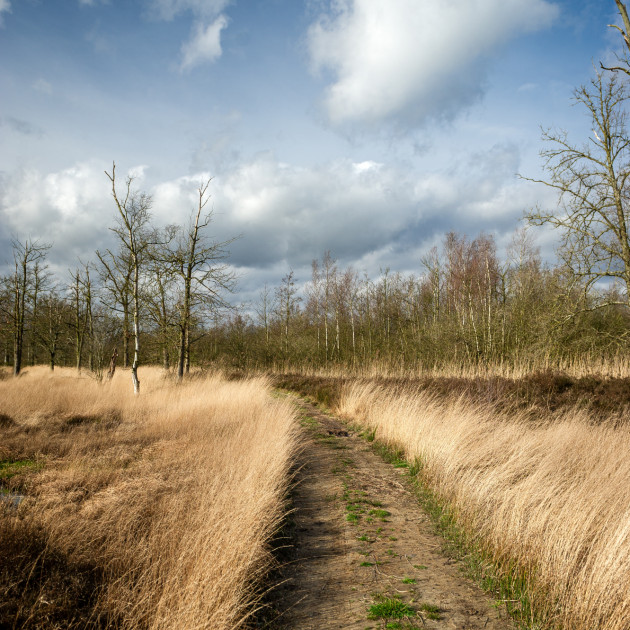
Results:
533 470
158 511
153 512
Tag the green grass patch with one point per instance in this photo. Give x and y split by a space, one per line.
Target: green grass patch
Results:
369 435
390 608
382 514
11 467
409 580
374 503
432 611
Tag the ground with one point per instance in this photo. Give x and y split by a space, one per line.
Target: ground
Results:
361 552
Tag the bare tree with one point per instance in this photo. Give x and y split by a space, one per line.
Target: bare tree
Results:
79 321
159 297
50 324
592 182
203 275
132 230
40 285
263 308
25 256
625 33
287 303
116 275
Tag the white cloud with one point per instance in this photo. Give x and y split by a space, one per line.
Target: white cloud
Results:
413 59
5 7
204 45
361 211
368 213
71 209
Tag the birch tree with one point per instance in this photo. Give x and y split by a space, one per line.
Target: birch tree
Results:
132 228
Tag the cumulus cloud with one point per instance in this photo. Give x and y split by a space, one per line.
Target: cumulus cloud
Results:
204 45
71 208
368 213
410 59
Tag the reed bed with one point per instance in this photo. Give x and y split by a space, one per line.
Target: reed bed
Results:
549 497
577 367
139 512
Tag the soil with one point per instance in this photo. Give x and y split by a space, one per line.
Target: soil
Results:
359 538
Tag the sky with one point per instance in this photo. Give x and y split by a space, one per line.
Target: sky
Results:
363 127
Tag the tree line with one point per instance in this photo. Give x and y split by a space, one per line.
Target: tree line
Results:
160 294
464 307
150 295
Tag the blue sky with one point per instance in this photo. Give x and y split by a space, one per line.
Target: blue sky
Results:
365 127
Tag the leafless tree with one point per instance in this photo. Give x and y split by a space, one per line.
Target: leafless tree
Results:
132 229
592 181
286 304
203 275
116 273
161 301
263 310
50 324
79 321
625 33
26 256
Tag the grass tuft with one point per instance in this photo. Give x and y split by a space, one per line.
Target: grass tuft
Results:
390 608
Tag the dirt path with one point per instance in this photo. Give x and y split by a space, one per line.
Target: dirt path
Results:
361 540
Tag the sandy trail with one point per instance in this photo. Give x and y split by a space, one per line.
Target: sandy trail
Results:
359 538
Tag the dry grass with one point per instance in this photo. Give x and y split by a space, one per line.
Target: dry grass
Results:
149 512
579 367
552 496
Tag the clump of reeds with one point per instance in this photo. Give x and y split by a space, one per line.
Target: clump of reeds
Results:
550 497
162 505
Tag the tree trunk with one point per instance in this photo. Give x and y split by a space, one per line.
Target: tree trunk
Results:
136 326
181 362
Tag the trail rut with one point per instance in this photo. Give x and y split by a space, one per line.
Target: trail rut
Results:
360 538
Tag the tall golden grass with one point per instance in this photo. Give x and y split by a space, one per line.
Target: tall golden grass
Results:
552 497
172 496
576 367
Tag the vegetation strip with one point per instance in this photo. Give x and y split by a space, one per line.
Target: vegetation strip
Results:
543 497
152 514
